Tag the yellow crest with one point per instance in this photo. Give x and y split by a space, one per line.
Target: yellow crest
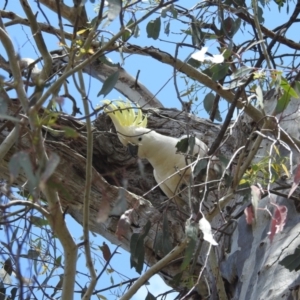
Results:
125 114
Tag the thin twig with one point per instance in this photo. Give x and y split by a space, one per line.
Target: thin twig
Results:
155 269
87 192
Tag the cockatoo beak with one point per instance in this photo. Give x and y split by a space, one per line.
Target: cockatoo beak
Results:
133 149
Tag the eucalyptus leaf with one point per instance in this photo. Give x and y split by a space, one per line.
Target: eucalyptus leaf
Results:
128 33
121 204
194 63
234 84
208 72
13 293
262 2
134 253
136 31
137 249
260 13
14 235
188 254
37 221
227 26
224 160
109 84
153 28
107 61
243 71
167 245
182 145
176 279
218 116
201 165
219 71
259 96
167 29
150 296
173 11
236 26
164 11
287 88
8 266
292 261
158 244
197 35
282 103
51 165
33 254
14 167
208 102
22 160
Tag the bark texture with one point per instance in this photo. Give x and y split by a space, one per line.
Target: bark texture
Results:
245 264
244 257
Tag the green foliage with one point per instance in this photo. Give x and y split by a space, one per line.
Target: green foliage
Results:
183 145
50 167
196 33
260 15
213 24
22 160
208 103
109 84
101 297
288 92
137 250
153 28
38 221
219 71
292 261
162 243
104 59
150 296
135 31
280 3
267 170
200 167
169 8
230 26
188 254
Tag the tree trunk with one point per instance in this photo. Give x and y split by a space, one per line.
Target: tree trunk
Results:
244 254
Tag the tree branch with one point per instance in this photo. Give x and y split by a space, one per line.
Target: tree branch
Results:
155 269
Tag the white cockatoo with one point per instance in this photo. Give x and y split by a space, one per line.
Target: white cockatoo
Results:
171 169
27 67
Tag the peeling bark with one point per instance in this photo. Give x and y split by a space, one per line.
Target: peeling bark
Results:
112 167
244 264
248 262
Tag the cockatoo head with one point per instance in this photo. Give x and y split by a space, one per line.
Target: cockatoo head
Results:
129 121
